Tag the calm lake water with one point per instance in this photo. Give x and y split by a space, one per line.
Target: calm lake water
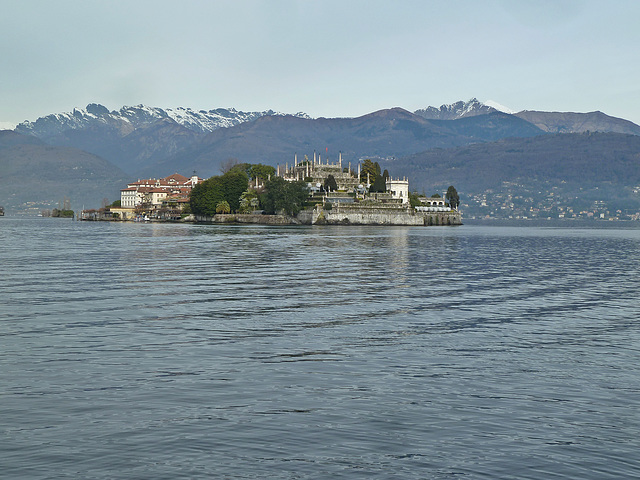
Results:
154 351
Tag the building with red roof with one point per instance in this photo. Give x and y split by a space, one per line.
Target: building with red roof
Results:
155 194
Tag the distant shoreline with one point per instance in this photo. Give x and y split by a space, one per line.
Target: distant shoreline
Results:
553 223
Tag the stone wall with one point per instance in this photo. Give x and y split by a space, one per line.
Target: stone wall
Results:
248 218
383 215
343 216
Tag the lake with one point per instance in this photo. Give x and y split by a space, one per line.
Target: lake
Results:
165 351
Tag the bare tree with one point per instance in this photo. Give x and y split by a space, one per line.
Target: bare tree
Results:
228 164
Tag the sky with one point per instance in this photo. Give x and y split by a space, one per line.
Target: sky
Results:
327 58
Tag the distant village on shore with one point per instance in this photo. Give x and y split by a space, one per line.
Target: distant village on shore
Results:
308 191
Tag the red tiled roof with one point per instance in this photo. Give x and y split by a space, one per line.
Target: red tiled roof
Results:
176 177
173 183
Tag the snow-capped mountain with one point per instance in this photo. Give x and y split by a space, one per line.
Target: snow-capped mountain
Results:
499 107
128 119
456 110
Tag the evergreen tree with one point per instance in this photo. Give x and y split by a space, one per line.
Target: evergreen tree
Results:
206 196
261 171
281 195
371 168
330 184
452 197
378 185
235 183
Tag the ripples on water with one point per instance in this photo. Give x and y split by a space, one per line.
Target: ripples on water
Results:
180 351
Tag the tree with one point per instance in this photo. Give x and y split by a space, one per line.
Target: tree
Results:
281 195
248 201
235 184
240 167
228 164
414 199
379 184
452 197
64 213
223 207
371 168
330 184
261 171
206 196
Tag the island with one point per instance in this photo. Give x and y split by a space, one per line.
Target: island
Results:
309 192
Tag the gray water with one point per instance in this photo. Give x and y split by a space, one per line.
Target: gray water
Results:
157 351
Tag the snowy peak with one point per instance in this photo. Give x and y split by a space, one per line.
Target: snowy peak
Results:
130 118
498 107
456 110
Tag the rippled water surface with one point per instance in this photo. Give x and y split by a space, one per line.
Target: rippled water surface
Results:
180 351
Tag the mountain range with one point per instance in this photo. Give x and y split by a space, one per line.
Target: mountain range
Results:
128 119
145 141
564 166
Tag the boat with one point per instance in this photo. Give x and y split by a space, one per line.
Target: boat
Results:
1 211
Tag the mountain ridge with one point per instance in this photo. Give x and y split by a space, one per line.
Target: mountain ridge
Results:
129 118
576 171
455 111
571 122
384 133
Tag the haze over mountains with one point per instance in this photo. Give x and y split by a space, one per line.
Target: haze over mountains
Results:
155 142
34 175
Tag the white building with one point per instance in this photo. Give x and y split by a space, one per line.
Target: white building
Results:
399 189
154 191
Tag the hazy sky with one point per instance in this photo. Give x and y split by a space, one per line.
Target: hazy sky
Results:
326 58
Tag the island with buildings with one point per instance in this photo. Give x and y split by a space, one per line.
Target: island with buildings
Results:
311 191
